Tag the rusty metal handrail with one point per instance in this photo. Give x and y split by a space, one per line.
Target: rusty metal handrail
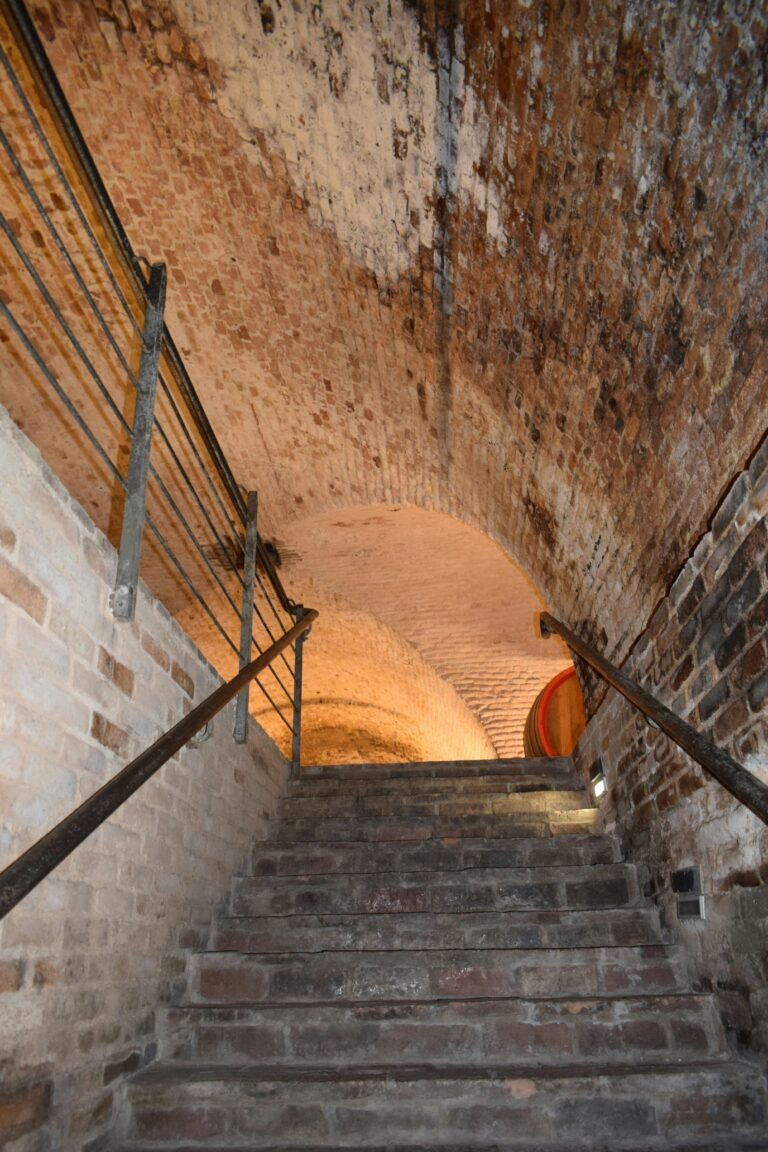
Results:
25 873
734 777
58 107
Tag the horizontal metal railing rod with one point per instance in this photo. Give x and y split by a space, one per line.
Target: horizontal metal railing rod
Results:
734 777
24 874
58 106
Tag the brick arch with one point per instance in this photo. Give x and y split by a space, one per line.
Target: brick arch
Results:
589 384
440 586
370 696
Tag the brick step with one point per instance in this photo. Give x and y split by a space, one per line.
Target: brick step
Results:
516 1107
268 859
437 769
460 1033
354 805
738 1143
602 928
578 821
255 978
476 890
455 786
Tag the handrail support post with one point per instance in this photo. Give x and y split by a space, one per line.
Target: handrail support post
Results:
123 600
297 686
246 616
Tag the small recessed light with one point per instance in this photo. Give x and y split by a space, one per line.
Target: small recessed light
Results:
597 779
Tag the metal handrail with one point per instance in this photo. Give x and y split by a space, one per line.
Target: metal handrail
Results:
58 107
734 777
25 873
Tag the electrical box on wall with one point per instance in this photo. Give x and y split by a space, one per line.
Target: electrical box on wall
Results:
686 884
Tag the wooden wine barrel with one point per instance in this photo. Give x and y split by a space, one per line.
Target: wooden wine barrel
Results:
556 719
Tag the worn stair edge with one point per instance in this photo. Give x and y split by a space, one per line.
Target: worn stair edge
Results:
268 858
520 928
436 786
617 1104
473 890
406 805
454 1032
578 821
736 1143
424 768
226 977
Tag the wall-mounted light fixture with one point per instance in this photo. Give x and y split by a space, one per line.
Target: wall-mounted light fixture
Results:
597 779
686 884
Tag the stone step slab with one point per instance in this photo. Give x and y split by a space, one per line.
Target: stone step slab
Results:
439 786
459 1033
516 1107
478 889
574 822
266 859
403 806
439 769
598 928
235 978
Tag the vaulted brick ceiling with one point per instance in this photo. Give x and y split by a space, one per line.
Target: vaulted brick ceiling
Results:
504 261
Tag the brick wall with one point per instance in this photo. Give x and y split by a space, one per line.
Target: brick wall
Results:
85 959
705 655
589 177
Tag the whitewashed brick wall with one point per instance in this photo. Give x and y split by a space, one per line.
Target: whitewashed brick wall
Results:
88 956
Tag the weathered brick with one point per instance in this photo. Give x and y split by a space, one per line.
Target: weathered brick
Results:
11 975
758 693
182 1123
648 1035
158 654
749 555
46 972
732 503
742 600
713 700
712 637
731 720
20 590
183 679
114 738
119 674
750 664
757 620
682 672
24 1108
731 647
123 1066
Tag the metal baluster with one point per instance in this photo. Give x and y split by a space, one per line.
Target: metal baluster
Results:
299 661
127 578
246 618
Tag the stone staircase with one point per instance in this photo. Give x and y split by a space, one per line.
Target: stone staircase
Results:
442 956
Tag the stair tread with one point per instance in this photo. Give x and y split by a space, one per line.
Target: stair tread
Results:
355 801
394 967
616 951
552 916
180 1073
574 1004
737 1143
441 780
305 830
614 868
459 844
437 767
